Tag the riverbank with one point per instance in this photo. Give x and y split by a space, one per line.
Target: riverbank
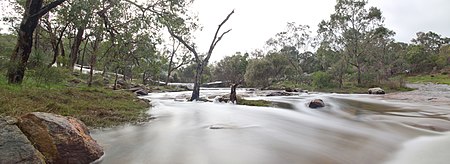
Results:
95 106
435 94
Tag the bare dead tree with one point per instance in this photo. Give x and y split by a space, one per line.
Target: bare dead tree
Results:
201 62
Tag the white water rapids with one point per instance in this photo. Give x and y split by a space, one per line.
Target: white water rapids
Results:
351 129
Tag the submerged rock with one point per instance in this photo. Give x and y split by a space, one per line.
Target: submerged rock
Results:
290 90
60 139
376 91
15 146
280 94
317 103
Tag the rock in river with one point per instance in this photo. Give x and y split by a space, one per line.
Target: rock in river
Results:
280 94
376 91
60 139
317 103
14 145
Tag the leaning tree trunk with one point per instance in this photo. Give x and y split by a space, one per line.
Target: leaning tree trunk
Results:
76 47
21 53
169 71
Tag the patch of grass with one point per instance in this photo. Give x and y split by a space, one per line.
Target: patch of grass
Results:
261 103
96 107
437 79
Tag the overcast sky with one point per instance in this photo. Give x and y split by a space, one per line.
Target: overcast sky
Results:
255 21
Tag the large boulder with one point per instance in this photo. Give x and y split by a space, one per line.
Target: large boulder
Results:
317 103
14 145
141 92
376 91
60 139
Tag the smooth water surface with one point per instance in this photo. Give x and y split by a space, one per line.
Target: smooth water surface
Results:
350 129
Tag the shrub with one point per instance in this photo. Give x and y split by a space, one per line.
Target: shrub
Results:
322 80
46 75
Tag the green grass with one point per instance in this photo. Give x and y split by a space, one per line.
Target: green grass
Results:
96 107
261 103
437 79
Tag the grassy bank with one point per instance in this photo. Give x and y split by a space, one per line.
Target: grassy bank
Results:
261 103
437 79
96 107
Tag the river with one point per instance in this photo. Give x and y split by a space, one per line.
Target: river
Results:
351 129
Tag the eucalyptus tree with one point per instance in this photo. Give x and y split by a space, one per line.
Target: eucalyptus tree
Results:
178 56
425 50
431 41
80 13
55 29
295 43
33 11
349 31
232 68
381 57
258 73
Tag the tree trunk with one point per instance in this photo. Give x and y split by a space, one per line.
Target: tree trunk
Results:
116 78
233 97
56 42
359 75
169 71
144 81
198 77
93 60
55 46
82 57
76 47
21 53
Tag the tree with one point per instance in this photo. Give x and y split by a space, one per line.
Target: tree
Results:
176 61
258 73
19 58
231 68
349 31
294 43
201 62
431 41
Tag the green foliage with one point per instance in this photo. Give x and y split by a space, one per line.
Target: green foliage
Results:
443 58
258 73
260 103
437 79
322 80
52 75
7 44
231 68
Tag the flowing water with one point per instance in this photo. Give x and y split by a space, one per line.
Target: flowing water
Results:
350 129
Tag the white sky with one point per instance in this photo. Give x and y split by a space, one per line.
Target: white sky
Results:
255 21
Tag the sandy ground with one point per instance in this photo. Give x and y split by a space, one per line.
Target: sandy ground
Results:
436 94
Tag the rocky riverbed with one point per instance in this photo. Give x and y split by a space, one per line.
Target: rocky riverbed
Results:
433 94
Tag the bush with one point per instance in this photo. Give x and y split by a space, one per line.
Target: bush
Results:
322 80
46 75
